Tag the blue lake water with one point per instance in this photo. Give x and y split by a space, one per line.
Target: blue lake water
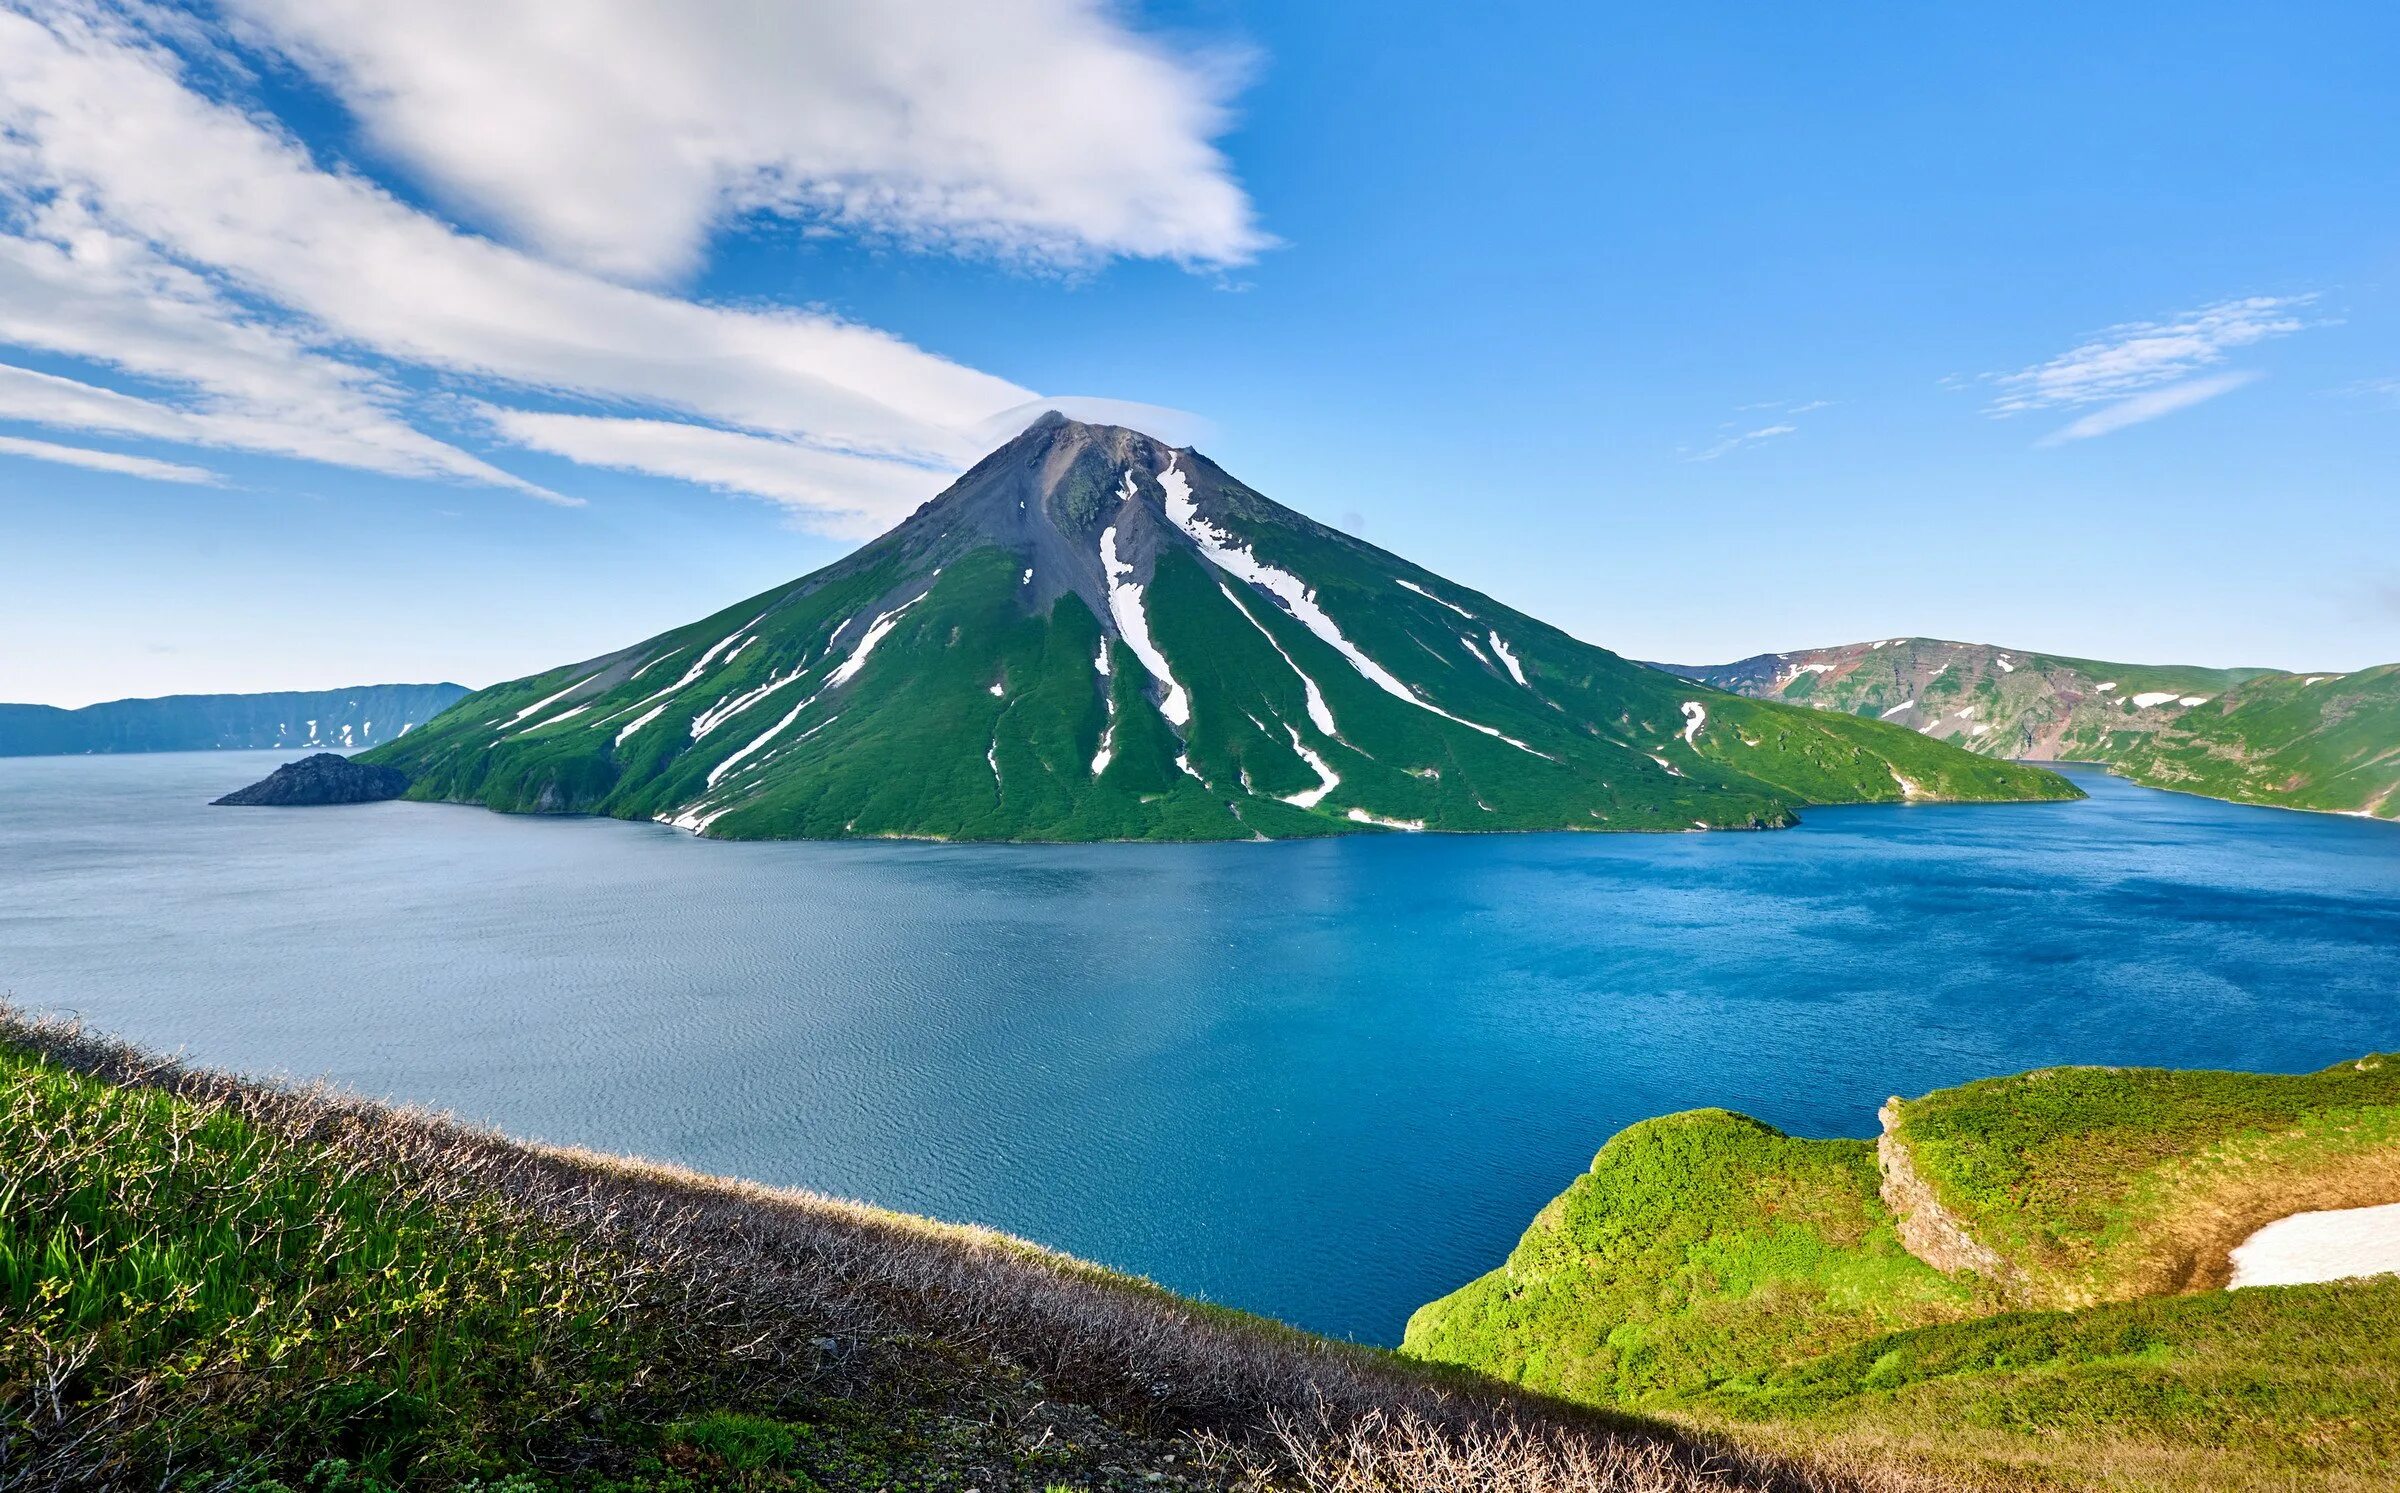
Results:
1324 1081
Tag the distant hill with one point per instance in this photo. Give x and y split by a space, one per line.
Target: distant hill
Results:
2019 1284
342 719
1092 636
2307 741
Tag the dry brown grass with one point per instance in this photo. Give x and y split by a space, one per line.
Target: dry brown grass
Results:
2207 1208
803 1290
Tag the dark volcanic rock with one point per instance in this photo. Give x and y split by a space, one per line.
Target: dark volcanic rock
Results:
322 779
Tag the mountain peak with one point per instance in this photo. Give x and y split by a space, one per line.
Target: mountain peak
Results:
1092 634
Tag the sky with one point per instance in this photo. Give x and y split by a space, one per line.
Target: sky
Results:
344 342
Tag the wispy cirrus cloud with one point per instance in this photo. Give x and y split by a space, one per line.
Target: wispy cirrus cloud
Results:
107 461
1731 437
1727 445
2142 370
832 492
2148 406
159 226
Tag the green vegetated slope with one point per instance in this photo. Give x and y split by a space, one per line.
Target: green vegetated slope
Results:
1709 1268
1700 1247
1093 636
2328 742
2325 741
2100 1184
2284 1388
208 1284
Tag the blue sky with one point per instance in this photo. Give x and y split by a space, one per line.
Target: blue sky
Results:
343 342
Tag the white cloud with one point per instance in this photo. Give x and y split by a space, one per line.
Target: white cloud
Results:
185 240
112 124
106 461
2147 406
831 492
1175 427
1734 443
2136 356
615 134
69 285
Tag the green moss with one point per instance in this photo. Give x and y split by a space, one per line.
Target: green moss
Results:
1699 1248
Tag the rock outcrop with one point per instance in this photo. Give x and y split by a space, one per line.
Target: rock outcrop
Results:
1930 1231
325 778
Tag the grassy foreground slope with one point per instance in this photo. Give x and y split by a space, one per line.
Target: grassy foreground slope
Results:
1093 636
1713 1271
207 1284
2270 1388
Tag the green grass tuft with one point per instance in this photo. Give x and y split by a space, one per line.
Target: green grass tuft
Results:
1700 1247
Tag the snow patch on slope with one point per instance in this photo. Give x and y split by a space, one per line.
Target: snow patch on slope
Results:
1327 778
1516 670
2337 1244
1232 556
848 670
1108 733
644 719
724 710
877 631
520 715
1133 623
565 715
1428 595
1695 715
699 667
1319 713
761 739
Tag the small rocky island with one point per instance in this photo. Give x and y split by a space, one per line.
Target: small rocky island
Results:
326 778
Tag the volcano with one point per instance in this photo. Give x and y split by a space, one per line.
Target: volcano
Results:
1092 635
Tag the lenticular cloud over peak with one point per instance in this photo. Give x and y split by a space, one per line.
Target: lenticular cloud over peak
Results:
523 200
617 135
